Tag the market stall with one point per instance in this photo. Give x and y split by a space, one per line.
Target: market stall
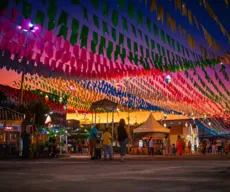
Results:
10 128
151 128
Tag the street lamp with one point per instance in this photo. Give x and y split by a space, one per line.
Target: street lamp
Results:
29 28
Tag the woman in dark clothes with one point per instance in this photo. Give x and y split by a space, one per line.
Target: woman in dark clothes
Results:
122 137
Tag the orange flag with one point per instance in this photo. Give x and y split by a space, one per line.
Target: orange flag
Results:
153 5
184 9
196 22
177 4
190 16
160 13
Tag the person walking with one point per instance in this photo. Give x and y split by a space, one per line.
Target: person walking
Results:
93 141
166 145
151 149
179 145
213 147
189 148
107 144
122 137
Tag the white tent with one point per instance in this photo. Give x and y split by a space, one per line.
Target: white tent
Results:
151 126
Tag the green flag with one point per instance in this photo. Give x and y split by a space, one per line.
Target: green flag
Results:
75 25
134 30
85 13
96 21
123 55
135 48
73 38
114 34
63 19
148 21
155 30
121 39
105 10
40 18
121 3
52 11
84 36
116 53
51 24
109 50
140 33
125 24
63 31
178 47
168 40
139 18
129 44
147 40
102 45
95 3
163 36
173 43
152 44
163 51
105 28
95 37
26 9
159 48
115 18
131 10
141 49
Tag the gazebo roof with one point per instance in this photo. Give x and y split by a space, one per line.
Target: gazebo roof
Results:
103 104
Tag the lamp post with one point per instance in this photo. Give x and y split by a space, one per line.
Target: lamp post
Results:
31 28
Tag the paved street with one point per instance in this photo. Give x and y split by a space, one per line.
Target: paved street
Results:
75 174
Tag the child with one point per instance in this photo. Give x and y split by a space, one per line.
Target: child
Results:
107 143
98 150
173 149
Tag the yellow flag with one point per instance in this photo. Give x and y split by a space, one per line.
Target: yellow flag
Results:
207 37
168 19
190 16
173 25
160 13
153 5
181 30
184 9
196 22
177 4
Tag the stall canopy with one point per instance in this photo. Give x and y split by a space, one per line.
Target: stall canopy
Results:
151 126
8 114
103 104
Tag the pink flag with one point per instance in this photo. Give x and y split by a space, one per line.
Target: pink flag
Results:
14 14
48 36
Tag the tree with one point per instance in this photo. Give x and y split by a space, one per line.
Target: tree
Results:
39 109
3 97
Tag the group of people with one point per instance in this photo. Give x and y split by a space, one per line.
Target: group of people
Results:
122 137
216 146
167 149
